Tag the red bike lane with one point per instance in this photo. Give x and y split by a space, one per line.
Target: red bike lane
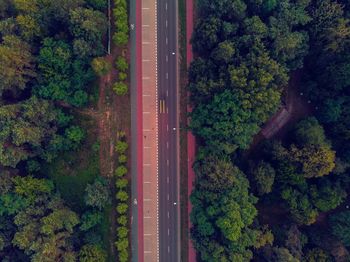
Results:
191 142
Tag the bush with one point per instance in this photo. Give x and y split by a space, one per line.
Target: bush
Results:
122 208
121 147
122 159
121 171
122 220
122 76
122 196
121 64
122 232
101 66
121 183
120 88
123 256
122 244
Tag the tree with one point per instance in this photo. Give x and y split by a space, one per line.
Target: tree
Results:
224 52
316 161
89 26
27 129
316 255
300 206
340 225
75 134
97 194
28 26
264 177
101 66
309 131
62 77
222 212
223 123
282 254
16 64
206 35
90 220
44 226
92 253
337 38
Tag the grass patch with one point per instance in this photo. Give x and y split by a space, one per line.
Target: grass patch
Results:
72 171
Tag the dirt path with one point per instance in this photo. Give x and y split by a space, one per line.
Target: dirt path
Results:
295 107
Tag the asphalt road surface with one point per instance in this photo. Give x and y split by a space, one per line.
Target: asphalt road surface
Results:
169 215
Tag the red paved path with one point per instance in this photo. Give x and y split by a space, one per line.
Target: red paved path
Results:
139 128
191 143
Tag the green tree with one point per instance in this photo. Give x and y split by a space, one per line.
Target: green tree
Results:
27 128
90 220
101 66
316 161
16 64
62 77
44 226
222 212
92 253
97 194
88 25
264 177
309 131
223 123
340 225
317 255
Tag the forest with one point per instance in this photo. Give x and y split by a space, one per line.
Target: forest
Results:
46 77
282 198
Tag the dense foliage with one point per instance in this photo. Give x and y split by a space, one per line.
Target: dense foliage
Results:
246 52
46 51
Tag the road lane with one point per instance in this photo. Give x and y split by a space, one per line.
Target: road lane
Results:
169 249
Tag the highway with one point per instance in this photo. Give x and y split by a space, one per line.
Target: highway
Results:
169 206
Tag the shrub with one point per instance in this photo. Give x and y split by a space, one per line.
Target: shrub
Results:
122 159
120 88
122 196
123 255
122 220
121 64
122 208
122 232
122 244
121 147
122 76
121 171
121 183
